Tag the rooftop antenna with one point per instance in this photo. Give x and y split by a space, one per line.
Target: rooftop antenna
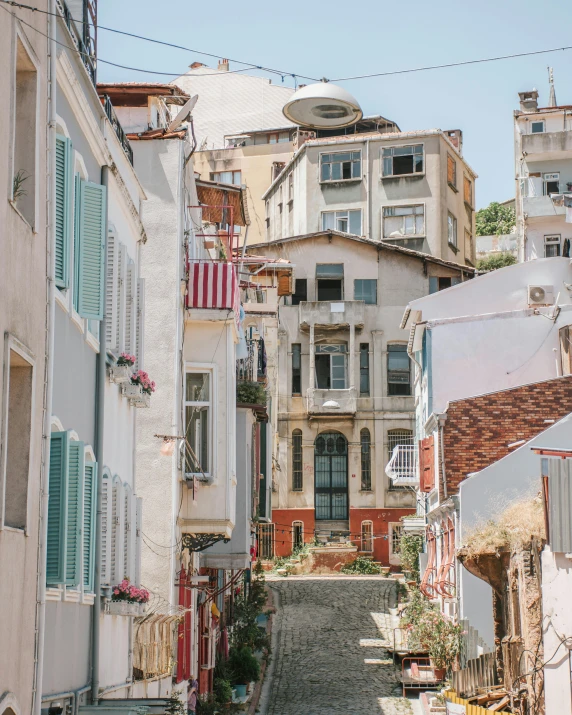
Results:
552 97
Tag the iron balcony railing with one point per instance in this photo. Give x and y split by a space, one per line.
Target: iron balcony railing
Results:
86 53
403 467
117 128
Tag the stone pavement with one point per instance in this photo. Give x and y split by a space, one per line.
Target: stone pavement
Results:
329 655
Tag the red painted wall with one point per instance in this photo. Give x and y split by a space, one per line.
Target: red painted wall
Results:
283 519
381 519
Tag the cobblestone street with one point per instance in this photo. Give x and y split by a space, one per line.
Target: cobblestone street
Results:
329 648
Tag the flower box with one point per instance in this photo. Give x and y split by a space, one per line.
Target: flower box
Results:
135 395
120 374
124 608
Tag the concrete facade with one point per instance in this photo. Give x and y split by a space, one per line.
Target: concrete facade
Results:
25 326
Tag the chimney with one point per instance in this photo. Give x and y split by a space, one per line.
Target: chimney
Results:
196 65
223 66
528 101
455 136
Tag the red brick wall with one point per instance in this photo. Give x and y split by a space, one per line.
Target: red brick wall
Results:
381 519
478 429
283 519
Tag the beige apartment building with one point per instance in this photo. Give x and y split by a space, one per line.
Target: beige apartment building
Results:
25 185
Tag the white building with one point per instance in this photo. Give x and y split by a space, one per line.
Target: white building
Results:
543 167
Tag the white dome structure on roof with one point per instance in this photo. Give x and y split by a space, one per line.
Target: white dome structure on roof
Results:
322 106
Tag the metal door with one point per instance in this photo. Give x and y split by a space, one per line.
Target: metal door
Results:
331 476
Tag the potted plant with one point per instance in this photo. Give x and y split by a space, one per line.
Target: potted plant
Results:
244 667
121 372
127 599
139 389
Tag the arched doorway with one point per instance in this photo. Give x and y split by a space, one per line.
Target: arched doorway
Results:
331 477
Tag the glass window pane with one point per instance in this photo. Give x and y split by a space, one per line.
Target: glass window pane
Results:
409 225
328 220
342 225
419 224
330 270
418 164
387 166
325 172
356 169
355 222
197 431
336 172
343 156
197 387
402 150
393 227
387 152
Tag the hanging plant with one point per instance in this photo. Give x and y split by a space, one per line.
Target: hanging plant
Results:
142 378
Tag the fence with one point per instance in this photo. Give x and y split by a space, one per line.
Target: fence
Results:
465 707
478 675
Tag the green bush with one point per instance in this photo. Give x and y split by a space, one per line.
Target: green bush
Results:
250 393
499 260
243 665
410 546
222 691
361 565
495 220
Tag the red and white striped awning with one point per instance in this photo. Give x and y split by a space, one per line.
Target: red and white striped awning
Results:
213 285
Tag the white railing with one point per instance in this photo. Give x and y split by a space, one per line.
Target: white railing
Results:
403 467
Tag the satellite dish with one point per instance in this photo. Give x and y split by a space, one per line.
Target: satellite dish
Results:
322 106
183 115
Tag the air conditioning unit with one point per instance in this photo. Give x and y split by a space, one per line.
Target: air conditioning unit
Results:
540 295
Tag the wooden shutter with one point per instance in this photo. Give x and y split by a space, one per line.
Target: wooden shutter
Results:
111 294
467 191
426 464
55 564
140 327
127 532
62 210
91 250
138 539
120 283
76 470
106 529
89 517
285 284
130 308
451 170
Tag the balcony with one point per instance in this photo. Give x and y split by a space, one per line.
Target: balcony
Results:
338 314
403 467
82 36
547 146
212 292
260 300
331 402
117 128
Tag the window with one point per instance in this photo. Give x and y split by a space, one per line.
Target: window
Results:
366 289
344 221
71 514
297 482
278 137
398 370
552 246
296 369
331 367
62 210
226 177
365 441
125 296
297 535
198 420
402 160
341 166
468 246
396 533
537 127
364 369
16 438
291 187
266 541
468 191
300 293
550 184
451 172
452 230
23 190
330 281
403 221
395 438
437 283
367 536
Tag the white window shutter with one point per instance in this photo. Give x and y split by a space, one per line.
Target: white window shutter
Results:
138 539
112 294
120 323
106 531
130 308
140 327
117 532
127 532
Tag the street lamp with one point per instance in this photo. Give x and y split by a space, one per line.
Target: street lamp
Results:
322 106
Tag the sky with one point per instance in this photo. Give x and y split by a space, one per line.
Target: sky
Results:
339 39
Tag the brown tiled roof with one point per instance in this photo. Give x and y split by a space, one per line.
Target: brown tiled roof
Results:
157 134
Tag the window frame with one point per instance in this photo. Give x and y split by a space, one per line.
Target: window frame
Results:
351 161
558 244
389 351
297 524
400 146
404 236
363 280
297 461
366 538
546 181
212 371
471 190
11 343
452 224
364 350
452 183
334 277
365 460
337 218
395 530
336 353
298 350
227 171
538 121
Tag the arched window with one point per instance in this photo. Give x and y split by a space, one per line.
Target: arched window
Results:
367 536
365 460
297 483
297 535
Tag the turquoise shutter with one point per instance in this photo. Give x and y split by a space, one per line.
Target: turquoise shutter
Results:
63 203
55 563
76 236
89 512
76 469
91 250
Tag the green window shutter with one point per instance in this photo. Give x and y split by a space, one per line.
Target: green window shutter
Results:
76 469
91 250
63 203
76 236
88 534
56 541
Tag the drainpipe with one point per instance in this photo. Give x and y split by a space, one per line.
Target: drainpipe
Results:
99 422
442 453
48 367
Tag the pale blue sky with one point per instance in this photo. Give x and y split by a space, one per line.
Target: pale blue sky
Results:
338 39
